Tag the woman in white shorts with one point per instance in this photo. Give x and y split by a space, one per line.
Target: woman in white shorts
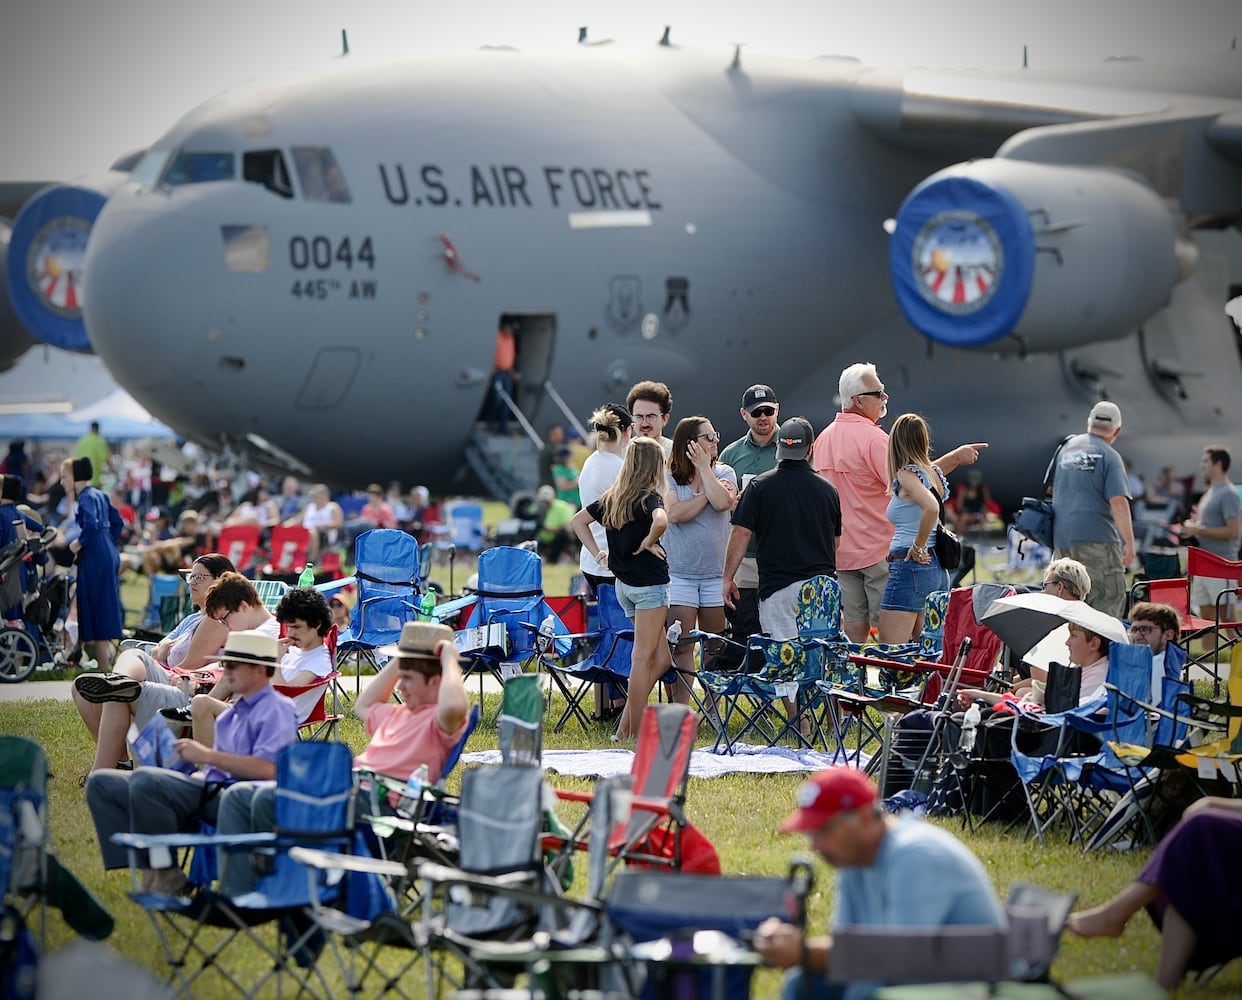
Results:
699 497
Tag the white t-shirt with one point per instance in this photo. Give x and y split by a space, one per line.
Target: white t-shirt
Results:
293 663
599 471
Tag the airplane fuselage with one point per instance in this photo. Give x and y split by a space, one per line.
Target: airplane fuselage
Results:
669 218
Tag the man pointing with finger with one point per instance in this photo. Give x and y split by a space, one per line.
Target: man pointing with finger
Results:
851 453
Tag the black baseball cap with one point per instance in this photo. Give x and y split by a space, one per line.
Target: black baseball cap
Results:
794 439
758 395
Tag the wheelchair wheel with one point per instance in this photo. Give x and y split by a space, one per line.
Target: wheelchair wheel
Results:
19 655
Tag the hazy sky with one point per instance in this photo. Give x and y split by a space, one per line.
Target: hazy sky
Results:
82 81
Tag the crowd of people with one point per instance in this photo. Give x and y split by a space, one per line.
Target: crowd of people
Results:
687 530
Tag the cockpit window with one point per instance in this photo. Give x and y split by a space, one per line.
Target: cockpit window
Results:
319 175
149 168
199 168
267 167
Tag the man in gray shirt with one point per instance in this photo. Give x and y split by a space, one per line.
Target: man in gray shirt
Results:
1092 495
1216 524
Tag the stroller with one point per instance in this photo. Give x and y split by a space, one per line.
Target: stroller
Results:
45 597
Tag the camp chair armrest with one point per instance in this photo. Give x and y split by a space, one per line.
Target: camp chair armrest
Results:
569 795
175 841
433 871
326 861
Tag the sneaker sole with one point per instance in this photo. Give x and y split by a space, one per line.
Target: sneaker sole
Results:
97 689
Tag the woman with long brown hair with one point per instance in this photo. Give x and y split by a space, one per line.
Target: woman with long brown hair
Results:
632 513
699 496
913 569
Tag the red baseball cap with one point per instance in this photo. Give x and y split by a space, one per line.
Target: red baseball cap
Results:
828 793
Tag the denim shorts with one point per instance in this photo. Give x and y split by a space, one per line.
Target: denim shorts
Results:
909 583
641 598
690 593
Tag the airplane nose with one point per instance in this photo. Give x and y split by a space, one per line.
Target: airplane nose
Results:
146 279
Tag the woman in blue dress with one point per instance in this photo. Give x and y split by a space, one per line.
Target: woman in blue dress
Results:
918 487
100 616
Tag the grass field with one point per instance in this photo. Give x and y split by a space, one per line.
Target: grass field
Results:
738 813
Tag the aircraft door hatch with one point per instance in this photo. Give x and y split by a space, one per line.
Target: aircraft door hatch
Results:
535 335
331 374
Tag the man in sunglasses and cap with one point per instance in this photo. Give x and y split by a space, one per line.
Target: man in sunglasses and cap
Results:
753 454
249 734
891 872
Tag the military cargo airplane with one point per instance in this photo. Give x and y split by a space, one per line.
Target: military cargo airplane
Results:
316 272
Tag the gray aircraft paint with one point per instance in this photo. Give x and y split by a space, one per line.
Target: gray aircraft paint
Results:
681 220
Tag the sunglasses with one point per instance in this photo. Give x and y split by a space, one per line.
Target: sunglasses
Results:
763 411
877 393
710 436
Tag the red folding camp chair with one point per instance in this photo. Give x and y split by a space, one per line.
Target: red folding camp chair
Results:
240 542
656 833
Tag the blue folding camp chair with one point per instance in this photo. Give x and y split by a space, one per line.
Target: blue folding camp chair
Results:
386 567
1051 782
511 594
612 648
314 804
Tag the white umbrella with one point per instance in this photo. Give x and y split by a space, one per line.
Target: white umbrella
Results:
1022 620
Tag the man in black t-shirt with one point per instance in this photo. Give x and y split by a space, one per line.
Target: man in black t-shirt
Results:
795 516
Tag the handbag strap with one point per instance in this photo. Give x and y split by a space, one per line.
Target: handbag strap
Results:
1052 463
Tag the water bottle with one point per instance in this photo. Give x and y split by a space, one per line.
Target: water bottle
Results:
307 579
547 635
427 606
412 796
674 632
970 726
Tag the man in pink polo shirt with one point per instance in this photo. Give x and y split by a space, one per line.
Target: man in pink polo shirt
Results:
852 454
428 722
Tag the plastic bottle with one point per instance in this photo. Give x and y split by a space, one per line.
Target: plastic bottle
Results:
427 606
674 632
412 796
970 728
307 579
547 634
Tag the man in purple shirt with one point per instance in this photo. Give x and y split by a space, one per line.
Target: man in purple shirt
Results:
249 734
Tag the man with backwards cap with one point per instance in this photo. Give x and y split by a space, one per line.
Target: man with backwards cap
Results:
890 873
249 734
794 515
1092 495
751 455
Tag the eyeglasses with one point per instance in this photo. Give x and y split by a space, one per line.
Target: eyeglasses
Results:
877 393
199 578
1054 582
1144 629
763 411
710 436
224 618
647 418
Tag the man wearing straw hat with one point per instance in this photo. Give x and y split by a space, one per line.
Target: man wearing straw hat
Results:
422 729
249 734
424 670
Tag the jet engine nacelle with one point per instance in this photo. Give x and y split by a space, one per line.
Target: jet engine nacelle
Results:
1017 256
14 340
43 267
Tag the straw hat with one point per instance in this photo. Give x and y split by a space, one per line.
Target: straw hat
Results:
419 639
252 646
